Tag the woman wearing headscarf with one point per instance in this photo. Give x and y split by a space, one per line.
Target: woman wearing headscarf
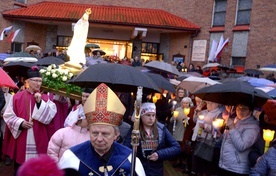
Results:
156 142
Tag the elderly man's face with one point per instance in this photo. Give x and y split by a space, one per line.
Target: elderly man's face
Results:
35 84
102 137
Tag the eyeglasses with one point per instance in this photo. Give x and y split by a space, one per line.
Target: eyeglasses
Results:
36 80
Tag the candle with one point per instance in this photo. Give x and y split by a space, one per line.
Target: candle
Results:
154 99
217 124
174 103
200 121
175 114
268 136
186 111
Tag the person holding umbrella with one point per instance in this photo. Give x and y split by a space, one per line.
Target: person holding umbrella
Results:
238 139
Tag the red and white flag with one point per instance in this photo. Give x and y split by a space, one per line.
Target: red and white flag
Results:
4 32
13 35
220 48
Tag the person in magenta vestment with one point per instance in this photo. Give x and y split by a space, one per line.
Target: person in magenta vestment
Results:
27 116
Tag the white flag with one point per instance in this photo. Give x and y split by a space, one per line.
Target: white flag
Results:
220 48
6 30
212 51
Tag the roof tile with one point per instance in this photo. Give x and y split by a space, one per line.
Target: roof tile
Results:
102 14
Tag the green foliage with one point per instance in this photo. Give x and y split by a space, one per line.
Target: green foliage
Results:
56 79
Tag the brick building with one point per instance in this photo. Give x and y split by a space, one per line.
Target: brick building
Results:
248 24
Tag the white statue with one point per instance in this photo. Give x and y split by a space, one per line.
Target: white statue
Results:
76 48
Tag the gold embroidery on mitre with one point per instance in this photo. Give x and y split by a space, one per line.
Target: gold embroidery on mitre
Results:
104 107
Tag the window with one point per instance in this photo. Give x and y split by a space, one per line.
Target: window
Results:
21 1
149 48
238 61
244 12
63 41
219 12
17 47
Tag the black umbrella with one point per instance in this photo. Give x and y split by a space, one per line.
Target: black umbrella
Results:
161 82
17 68
49 60
101 52
253 72
162 67
120 78
91 45
232 93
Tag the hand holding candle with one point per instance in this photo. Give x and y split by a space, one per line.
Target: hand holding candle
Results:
154 99
200 121
175 115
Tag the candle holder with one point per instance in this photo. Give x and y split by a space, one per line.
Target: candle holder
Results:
186 112
200 121
175 115
268 136
217 124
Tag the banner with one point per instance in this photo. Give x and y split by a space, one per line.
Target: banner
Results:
199 50
13 35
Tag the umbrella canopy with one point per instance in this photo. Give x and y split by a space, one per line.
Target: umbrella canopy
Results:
3 56
269 67
6 80
17 68
49 60
161 82
184 75
209 65
162 67
193 83
120 78
259 82
21 56
32 47
226 67
253 72
91 45
272 93
52 50
101 52
232 93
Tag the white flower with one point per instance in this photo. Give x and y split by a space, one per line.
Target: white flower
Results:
54 75
49 68
61 72
54 66
66 71
48 73
70 75
53 71
42 71
64 78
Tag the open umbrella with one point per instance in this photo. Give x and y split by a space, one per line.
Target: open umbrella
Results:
272 93
3 56
49 60
120 78
232 93
6 80
162 67
97 50
193 83
161 82
32 47
17 68
253 72
259 82
91 45
209 65
184 75
21 56
269 67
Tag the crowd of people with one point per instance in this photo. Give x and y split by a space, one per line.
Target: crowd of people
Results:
95 136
